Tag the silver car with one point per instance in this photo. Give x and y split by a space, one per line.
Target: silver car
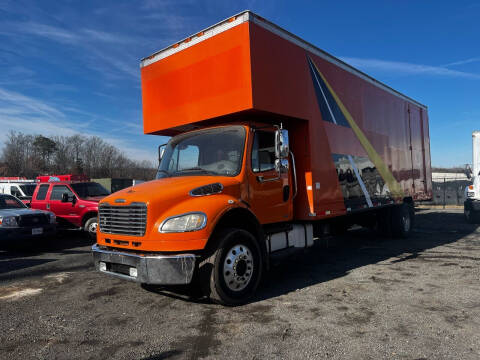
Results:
17 221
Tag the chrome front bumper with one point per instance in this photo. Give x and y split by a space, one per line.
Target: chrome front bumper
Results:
148 269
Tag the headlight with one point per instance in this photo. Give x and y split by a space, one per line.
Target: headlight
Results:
8 221
53 218
184 223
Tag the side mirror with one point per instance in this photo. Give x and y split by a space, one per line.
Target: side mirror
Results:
161 151
64 197
281 144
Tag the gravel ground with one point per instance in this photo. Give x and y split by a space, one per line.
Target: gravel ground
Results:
355 297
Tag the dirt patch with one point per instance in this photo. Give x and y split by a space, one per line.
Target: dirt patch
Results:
13 293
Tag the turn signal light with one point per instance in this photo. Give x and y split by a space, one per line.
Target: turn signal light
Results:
470 187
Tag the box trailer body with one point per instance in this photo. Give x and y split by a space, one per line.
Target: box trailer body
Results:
472 202
356 146
332 110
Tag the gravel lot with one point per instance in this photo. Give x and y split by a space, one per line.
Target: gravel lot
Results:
357 297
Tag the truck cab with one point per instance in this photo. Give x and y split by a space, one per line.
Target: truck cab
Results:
73 200
208 182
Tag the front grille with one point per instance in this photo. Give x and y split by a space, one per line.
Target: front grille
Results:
33 220
123 220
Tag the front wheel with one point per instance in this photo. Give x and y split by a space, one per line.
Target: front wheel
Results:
233 269
91 227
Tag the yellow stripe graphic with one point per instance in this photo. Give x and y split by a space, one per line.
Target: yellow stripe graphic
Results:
393 185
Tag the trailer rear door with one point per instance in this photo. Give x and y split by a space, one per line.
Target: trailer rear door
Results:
417 150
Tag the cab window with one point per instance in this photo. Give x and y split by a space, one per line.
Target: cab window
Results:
185 157
263 151
42 192
15 191
9 202
58 191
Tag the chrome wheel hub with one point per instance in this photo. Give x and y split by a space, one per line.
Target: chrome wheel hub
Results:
93 227
238 268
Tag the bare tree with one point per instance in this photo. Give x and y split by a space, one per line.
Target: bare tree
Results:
28 155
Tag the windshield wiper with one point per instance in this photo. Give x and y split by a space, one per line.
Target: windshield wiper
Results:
198 169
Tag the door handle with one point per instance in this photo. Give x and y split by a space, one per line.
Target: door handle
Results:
48 206
261 179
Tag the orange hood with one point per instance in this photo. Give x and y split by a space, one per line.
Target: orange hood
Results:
169 191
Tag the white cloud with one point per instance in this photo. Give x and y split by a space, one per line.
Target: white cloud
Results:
26 114
397 67
27 105
43 30
101 49
462 62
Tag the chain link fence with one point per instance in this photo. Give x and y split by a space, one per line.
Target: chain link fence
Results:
449 190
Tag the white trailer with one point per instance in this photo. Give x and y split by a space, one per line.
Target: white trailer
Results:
472 202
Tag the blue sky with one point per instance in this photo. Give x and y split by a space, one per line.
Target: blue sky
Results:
73 66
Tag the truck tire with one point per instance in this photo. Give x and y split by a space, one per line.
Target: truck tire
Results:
471 216
402 220
91 227
231 271
384 221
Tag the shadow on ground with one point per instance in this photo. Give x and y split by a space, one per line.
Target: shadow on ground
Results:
26 253
335 257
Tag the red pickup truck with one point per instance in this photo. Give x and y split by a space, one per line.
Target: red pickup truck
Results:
74 200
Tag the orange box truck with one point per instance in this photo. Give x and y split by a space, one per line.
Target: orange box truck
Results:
273 141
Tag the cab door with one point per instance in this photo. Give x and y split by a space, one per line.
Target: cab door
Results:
39 199
65 210
270 193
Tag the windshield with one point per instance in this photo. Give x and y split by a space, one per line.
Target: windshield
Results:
10 202
216 151
89 189
28 189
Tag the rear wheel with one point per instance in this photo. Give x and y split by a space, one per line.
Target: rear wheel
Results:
402 220
471 216
384 221
91 227
232 271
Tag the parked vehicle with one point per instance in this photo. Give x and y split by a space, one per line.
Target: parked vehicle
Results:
275 142
471 206
17 221
73 199
20 188
116 184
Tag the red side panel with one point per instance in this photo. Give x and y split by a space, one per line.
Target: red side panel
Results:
283 83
